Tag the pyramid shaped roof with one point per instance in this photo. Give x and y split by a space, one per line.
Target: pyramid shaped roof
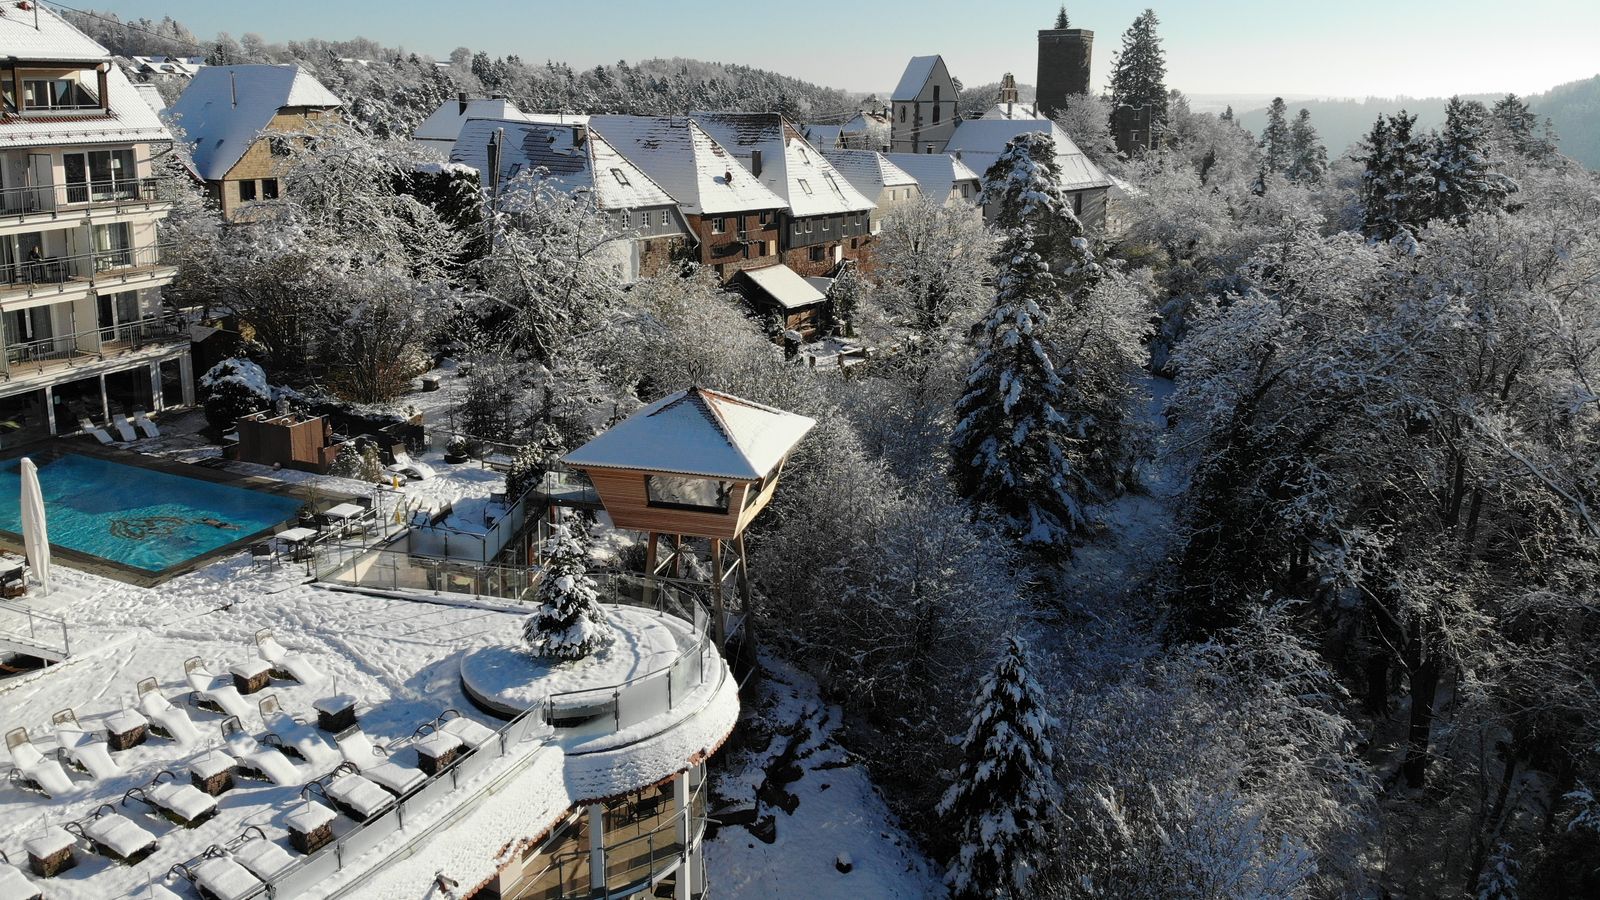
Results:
701 432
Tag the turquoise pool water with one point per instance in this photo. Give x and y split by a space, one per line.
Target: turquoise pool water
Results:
138 517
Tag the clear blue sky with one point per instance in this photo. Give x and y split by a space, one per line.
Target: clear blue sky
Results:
1349 48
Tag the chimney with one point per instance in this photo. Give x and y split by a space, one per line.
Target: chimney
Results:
580 134
755 163
461 103
495 140
233 87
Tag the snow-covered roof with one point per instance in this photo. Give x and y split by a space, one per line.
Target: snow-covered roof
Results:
167 65
701 174
937 173
698 431
917 73
131 120
444 124
785 286
593 167
864 120
981 141
54 40
151 96
869 170
792 168
823 136
225 108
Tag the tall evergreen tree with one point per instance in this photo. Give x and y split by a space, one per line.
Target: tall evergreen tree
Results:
1024 189
570 623
1397 187
1139 71
1009 449
1274 143
1061 18
1308 156
1518 128
1463 180
999 802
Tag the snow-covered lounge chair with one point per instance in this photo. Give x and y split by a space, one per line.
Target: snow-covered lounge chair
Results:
471 733
15 886
262 857
373 763
120 422
93 429
85 749
214 691
115 835
416 471
295 665
33 768
355 795
179 801
220 877
142 419
294 736
164 717
255 758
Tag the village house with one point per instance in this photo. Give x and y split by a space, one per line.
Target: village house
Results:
82 326
731 215
923 107
865 131
941 175
442 126
512 155
239 122
886 184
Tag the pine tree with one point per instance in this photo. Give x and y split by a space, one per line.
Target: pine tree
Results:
1308 156
1274 143
1139 71
1227 114
1518 129
1009 447
999 802
1397 188
1061 18
1463 180
371 467
570 623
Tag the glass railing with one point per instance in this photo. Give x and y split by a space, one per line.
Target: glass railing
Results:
100 267
48 198
97 342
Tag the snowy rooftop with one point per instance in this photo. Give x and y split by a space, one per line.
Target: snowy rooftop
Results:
35 33
701 174
868 170
981 141
917 73
785 286
937 173
443 125
131 120
225 108
823 137
699 432
792 168
591 167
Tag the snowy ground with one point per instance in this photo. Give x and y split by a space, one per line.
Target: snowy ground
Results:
814 808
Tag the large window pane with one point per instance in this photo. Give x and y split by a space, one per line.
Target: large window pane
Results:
687 493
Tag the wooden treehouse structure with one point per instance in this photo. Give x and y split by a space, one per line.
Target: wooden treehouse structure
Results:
697 464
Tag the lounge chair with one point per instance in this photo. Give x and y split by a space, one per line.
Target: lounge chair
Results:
142 419
120 422
98 432
33 769
355 795
217 876
15 885
85 749
115 835
416 471
181 802
213 691
257 759
262 857
471 733
373 763
292 735
295 665
164 717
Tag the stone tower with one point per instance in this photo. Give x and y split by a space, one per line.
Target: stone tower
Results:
1064 57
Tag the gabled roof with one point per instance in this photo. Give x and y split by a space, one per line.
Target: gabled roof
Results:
785 286
698 432
55 40
593 167
131 120
792 168
702 175
868 170
864 120
225 108
823 136
936 173
917 73
981 141
444 124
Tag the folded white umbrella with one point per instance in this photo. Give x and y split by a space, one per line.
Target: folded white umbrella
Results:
35 537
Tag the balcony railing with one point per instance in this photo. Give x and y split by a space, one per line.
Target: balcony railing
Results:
98 343
50 198
57 273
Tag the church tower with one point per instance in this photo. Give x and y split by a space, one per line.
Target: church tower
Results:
1064 57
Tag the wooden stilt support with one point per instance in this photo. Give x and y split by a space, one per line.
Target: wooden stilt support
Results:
718 612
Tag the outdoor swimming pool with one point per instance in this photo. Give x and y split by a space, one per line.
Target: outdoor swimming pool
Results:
138 517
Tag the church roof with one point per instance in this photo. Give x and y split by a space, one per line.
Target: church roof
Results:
917 73
981 141
701 432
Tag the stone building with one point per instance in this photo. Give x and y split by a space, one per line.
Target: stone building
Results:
923 107
1065 55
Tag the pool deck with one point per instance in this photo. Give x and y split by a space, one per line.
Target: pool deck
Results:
85 446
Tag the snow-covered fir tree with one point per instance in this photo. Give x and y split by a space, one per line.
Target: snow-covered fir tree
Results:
1464 181
1397 187
1519 130
1010 445
570 623
1000 801
1308 156
1023 187
1275 140
1139 70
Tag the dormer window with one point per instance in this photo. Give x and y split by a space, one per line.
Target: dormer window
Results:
56 93
620 176
805 185
803 157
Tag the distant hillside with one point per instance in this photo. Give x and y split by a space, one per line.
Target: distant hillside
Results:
1573 109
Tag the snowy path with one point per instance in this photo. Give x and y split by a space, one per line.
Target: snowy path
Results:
811 811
